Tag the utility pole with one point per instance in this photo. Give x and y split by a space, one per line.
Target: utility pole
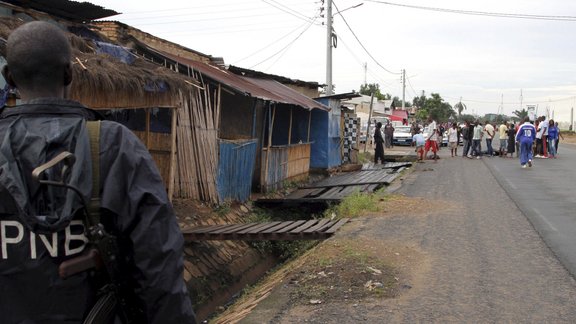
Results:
403 88
369 121
329 47
365 72
521 100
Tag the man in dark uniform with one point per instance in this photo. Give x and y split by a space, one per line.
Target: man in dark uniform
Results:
379 141
39 225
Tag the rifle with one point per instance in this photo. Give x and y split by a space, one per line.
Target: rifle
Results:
102 254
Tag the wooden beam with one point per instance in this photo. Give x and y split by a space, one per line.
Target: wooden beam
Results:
290 127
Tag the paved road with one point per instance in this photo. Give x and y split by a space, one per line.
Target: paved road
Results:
482 260
546 194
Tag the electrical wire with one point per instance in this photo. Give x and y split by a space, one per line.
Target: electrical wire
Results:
288 45
267 46
287 10
480 13
362 45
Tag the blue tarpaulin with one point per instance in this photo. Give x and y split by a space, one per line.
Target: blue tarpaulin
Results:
116 51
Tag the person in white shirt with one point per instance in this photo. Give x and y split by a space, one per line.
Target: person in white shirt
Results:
489 129
503 135
453 139
431 140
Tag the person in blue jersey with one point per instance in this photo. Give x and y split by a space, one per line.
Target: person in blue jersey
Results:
525 136
552 138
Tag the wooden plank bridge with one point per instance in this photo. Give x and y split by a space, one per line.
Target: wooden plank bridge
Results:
336 188
315 229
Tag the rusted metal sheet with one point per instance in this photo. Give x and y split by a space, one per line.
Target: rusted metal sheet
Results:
269 231
270 90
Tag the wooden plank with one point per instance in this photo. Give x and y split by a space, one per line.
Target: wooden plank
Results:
304 226
290 227
261 228
300 193
336 226
252 228
205 228
320 224
277 227
232 228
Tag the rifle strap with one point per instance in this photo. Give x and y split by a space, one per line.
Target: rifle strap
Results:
94 205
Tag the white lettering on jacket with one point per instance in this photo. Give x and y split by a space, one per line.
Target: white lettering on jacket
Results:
74 233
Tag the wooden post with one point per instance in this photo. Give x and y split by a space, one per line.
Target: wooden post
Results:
290 128
368 126
173 154
270 130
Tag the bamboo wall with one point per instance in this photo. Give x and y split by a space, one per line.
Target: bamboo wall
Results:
280 163
197 145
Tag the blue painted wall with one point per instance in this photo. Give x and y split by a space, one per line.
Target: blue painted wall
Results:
325 135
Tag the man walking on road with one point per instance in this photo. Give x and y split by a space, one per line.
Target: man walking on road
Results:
489 129
525 136
431 140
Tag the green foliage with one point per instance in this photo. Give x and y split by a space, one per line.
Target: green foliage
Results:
521 114
368 89
354 205
434 106
365 157
223 209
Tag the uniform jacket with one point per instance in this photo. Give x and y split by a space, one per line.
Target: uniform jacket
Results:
39 229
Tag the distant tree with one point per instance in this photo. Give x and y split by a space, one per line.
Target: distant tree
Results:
521 114
460 107
437 108
367 89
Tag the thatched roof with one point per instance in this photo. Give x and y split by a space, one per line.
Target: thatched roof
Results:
103 81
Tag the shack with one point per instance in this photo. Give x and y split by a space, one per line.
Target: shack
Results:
260 127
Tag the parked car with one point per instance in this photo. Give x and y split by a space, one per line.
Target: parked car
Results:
402 136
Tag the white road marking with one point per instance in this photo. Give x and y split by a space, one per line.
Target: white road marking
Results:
545 220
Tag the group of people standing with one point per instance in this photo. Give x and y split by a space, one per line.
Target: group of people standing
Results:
538 139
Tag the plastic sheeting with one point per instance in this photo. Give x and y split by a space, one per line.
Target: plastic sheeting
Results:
325 136
116 51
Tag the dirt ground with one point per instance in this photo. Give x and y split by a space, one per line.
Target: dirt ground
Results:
444 249
569 139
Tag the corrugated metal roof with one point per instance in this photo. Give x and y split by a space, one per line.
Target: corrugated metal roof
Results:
260 88
71 10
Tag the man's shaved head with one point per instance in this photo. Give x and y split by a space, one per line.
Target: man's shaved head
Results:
38 56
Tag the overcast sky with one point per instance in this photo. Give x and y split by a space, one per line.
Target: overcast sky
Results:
481 59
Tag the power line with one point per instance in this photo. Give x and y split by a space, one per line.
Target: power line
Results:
362 45
411 87
288 45
480 13
269 45
288 10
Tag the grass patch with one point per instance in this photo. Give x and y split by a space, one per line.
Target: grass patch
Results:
356 205
365 157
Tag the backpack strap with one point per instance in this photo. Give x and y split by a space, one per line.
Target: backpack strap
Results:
94 205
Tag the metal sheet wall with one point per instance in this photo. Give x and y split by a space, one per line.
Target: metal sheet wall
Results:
235 170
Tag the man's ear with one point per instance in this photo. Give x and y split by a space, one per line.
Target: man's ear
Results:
8 76
68 75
